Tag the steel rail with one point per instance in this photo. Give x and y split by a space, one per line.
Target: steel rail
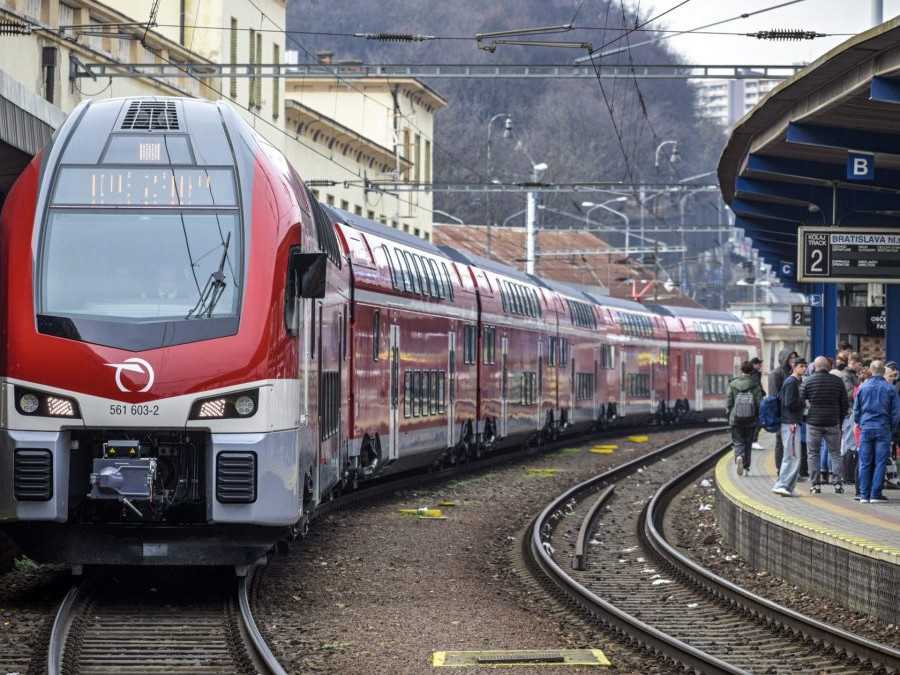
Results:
60 631
659 642
250 631
578 560
842 641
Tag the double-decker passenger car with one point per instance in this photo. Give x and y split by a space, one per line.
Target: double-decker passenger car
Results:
194 353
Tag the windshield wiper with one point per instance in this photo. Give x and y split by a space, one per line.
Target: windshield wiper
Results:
214 288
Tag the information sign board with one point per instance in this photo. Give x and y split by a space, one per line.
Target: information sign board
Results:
801 315
848 255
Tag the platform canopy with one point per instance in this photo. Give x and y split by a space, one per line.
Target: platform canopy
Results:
786 162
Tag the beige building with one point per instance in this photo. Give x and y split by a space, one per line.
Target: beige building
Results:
377 129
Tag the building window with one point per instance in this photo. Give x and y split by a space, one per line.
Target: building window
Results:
427 161
405 227
345 205
418 163
370 215
427 236
394 224
417 232
329 199
276 83
382 219
357 210
233 58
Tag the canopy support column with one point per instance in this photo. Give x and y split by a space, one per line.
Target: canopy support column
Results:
892 325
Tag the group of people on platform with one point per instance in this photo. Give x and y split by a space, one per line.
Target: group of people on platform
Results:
833 422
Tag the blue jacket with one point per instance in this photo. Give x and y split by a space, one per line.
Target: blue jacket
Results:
877 406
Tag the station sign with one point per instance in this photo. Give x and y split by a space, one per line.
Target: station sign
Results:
860 166
787 269
801 315
848 255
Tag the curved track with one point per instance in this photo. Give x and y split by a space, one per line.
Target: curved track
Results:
638 584
166 630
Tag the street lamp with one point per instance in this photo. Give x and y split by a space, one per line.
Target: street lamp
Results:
448 215
673 158
507 133
591 206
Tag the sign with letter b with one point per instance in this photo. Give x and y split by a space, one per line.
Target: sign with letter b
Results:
860 166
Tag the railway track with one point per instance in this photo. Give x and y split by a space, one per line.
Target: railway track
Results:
632 580
139 625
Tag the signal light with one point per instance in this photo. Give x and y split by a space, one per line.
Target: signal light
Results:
39 404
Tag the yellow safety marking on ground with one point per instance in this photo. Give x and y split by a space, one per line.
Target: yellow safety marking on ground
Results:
519 658
639 439
423 512
446 503
570 451
537 471
812 528
602 451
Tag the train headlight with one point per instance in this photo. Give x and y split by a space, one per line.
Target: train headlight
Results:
29 404
38 404
244 406
226 406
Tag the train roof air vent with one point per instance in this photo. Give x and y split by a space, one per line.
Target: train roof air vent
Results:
151 116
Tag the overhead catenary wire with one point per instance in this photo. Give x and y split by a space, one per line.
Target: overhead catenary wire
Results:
670 34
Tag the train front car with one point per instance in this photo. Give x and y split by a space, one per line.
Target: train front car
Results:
149 391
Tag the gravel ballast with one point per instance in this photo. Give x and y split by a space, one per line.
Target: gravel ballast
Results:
372 590
693 528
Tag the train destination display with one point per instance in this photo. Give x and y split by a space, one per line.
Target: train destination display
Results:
848 255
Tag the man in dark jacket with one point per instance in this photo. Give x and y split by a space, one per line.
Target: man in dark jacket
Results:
757 364
786 358
791 421
828 405
744 397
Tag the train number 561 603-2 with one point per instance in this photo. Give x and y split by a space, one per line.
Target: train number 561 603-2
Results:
136 410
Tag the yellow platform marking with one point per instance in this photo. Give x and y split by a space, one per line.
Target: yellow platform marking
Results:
815 529
424 513
519 658
602 451
570 451
639 439
447 503
540 472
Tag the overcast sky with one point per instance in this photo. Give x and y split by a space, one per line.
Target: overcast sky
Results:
823 16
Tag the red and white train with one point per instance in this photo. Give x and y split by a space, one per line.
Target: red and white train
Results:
195 352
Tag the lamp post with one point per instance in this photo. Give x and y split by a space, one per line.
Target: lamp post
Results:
537 171
591 206
673 158
507 132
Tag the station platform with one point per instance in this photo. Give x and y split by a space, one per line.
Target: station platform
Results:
828 544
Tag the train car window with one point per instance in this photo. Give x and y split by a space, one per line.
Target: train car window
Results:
312 326
436 282
393 268
469 344
490 341
503 301
376 334
424 285
551 352
449 283
409 277
407 393
441 389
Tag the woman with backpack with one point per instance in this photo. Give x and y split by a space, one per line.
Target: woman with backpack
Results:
744 397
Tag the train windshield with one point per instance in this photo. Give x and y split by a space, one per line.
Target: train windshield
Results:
141 266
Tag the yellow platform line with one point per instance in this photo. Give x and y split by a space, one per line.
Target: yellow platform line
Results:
816 530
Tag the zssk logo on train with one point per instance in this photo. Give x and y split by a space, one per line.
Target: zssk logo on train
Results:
137 366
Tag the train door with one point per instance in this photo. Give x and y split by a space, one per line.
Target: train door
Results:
451 379
540 384
504 384
595 389
698 383
652 392
622 382
394 404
